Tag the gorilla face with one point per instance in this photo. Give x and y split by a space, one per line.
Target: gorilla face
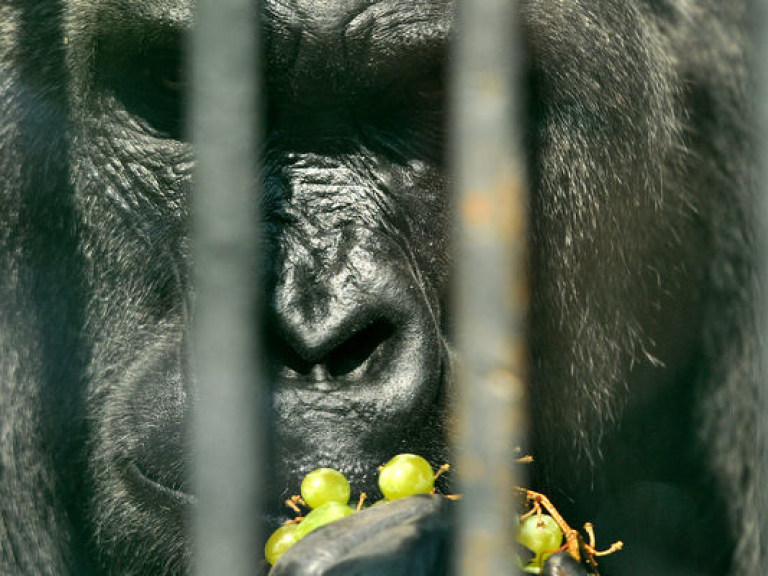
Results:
356 225
357 233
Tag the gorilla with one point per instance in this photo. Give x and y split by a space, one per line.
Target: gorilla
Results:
643 343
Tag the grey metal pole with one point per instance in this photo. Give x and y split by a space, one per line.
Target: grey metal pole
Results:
759 20
227 439
492 280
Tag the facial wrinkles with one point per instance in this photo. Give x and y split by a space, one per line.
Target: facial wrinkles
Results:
323 196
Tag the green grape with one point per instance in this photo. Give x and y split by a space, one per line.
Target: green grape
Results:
322 515
325 485
541 535
405 475
281 539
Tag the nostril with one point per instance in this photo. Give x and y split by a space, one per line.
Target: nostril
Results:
336 356
358 348
290 359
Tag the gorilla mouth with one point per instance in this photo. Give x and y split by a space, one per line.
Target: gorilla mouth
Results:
152 486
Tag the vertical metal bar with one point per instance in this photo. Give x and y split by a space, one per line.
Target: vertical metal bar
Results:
492 279
227 471
759 20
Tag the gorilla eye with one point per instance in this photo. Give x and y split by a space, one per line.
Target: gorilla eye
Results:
150 83
407 117
173 80
425 93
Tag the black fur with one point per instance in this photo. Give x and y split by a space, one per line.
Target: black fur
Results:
644 372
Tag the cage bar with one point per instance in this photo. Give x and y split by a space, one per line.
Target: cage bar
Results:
227 439
492 280
759 22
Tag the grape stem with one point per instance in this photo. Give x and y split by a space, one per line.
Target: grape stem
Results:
574 542
292 503
590 530
442 470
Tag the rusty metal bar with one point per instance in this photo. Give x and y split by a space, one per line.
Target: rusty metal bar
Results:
492 279
227 440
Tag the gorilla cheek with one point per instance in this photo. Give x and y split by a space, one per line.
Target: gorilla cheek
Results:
139 460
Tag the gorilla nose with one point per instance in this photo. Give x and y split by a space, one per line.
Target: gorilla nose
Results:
336 351
336 333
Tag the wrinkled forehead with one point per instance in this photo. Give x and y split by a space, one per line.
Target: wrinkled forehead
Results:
307 43
332 17
365 41
415 19
347 10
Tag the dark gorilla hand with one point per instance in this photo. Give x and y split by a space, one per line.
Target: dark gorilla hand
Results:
407 536
562 564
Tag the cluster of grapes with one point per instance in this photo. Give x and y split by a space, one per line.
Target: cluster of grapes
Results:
326 491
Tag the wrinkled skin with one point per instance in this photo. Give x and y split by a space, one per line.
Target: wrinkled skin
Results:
643 348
